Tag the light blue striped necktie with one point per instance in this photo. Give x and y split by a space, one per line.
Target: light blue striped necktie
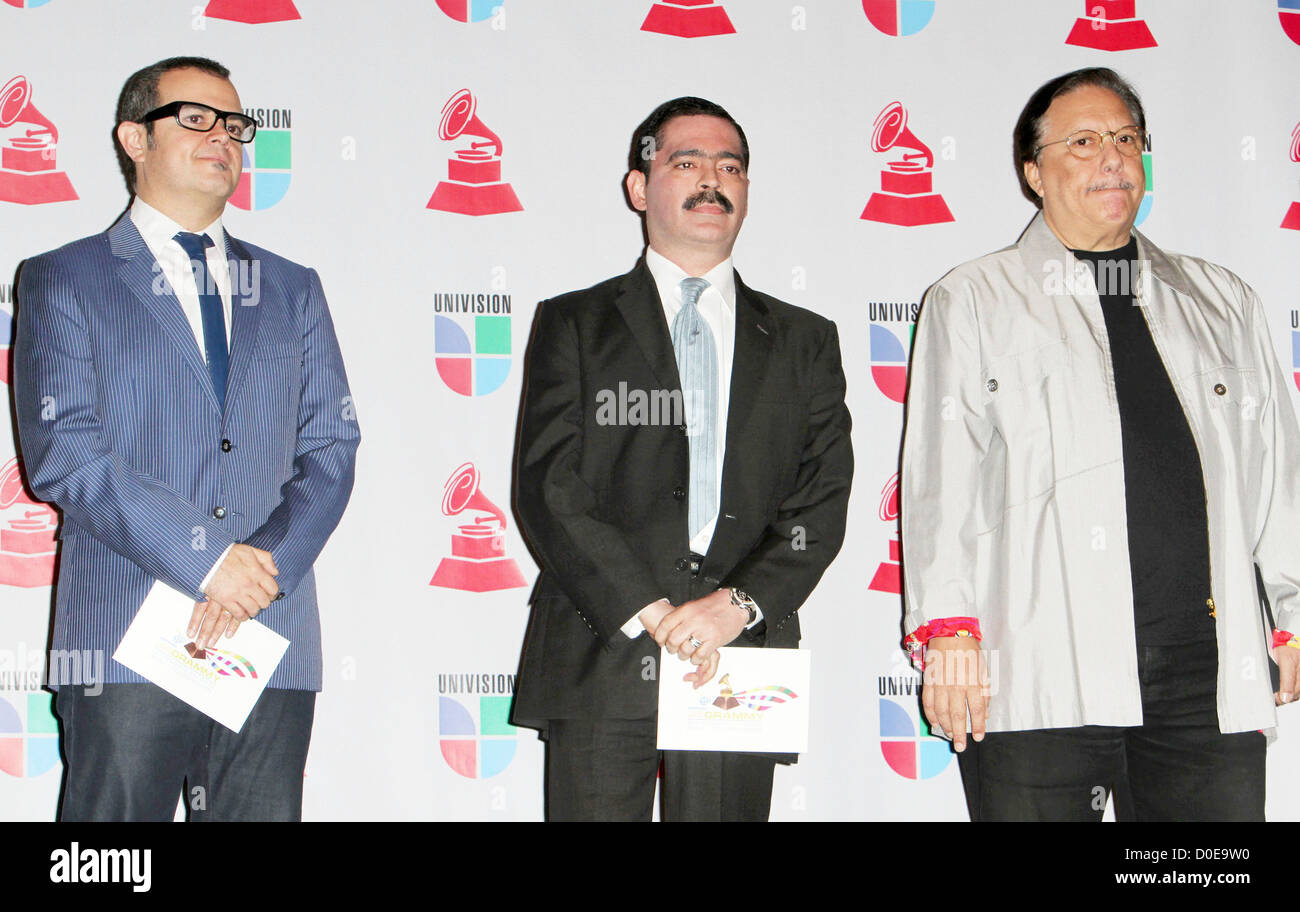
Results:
697 366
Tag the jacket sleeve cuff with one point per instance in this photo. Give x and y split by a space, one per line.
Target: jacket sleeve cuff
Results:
942 627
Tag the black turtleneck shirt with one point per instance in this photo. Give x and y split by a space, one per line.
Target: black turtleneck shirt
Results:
1164 489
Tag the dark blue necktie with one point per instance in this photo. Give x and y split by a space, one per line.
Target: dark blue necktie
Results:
214 320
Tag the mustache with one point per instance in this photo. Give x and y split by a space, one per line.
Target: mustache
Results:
1121 185
709 198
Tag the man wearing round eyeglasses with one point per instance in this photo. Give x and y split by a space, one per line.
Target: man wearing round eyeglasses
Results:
1099 457
181 398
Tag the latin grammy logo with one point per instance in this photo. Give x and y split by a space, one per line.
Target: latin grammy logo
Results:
474 185
1110 25
27 544
688 19
28 173
888 577
477 562
1292 219
252 11
906 194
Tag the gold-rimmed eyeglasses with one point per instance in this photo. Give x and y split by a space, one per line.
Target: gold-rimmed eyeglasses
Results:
1086 144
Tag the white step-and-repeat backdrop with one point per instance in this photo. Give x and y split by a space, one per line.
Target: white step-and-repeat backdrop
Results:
435 237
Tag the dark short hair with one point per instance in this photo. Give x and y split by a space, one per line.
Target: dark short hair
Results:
649 135
139 96
1028 133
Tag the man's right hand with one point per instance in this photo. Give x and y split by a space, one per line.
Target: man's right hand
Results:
955 685
244 584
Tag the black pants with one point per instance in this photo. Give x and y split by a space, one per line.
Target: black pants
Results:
606 770
1175 766
131 749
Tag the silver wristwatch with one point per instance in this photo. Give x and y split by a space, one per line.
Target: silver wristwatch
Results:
742 601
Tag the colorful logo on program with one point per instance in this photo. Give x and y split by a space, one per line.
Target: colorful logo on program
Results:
888 362
478 561
252 11
752 699
1292 217
29 735
472 353
688 19
888 577
27 527
899 17
906 196
1110 25
29 143
223 662
470 10
474 730
905 739
474 185
267 160
1288 12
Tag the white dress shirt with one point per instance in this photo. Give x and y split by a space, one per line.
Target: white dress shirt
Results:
159 233
717 305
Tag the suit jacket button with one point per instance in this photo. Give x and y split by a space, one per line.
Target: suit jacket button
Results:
226 446
682 564
679 493
219 513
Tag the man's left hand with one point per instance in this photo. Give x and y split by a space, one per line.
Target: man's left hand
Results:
1288 665
713 621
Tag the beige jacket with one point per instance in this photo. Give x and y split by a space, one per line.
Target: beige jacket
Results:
1013 507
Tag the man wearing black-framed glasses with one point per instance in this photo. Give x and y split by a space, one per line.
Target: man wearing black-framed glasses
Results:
167 380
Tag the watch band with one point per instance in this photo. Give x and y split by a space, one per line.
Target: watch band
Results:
742 601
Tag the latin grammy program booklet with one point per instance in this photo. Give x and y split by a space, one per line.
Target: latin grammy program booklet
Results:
222 682
757 702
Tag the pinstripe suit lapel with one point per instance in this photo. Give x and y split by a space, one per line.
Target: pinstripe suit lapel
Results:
245 310
140 272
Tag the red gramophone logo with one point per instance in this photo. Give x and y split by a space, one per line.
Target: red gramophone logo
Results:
888 578
906 194
252 11
28 173
27 527
477 562
1292 219
1110 25
474 185
688 19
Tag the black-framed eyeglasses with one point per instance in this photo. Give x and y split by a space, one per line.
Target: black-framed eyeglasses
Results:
201 118
1086 144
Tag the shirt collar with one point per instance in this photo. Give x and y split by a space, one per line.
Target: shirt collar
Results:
668 276
158 230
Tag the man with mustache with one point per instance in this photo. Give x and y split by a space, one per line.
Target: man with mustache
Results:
1099 458
702 517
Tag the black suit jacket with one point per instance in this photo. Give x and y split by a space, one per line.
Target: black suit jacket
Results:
603 506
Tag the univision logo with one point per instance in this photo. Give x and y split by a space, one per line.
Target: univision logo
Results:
471 341
27 4
889 361
1144 208
905 739
1295 345
1288 12
899 17
470 10
267 160
29 735
474 730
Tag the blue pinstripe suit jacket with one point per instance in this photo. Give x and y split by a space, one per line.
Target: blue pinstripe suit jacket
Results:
119 427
